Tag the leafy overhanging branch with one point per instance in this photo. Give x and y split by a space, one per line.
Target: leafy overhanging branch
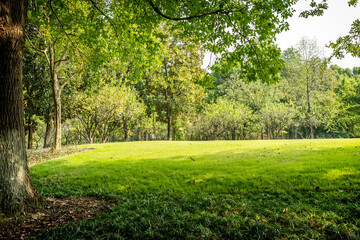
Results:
219 11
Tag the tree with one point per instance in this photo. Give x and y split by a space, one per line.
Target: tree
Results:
253 27
175 89
224 118
65 56
348 90
103 112
37 92
16 190
310 56
276 117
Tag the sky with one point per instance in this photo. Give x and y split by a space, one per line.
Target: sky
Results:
335 22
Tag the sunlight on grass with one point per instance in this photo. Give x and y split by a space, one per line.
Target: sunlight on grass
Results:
233 189
337 173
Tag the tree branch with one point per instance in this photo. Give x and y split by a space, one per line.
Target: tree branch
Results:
63 28
101 12
62 59
245 37
219 11
33 46
69 79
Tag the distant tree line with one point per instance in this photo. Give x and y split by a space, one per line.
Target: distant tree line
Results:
177 100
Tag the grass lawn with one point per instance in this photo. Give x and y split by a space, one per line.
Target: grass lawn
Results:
286 189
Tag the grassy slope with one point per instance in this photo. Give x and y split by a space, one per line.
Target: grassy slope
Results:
222 189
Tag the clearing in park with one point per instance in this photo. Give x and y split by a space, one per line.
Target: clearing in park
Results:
212 190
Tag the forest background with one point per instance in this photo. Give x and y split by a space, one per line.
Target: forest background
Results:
79 89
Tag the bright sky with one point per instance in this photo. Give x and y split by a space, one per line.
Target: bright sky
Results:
335 22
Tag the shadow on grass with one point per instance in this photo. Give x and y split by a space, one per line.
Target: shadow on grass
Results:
222 172
247 194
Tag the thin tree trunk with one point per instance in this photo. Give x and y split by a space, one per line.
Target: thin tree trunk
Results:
16 190
174 133
243 131
30 136
139 134
233 135
291 132
169 127
312 132
146 136
56 91
57 125
309 107
154 124
126 130
48 133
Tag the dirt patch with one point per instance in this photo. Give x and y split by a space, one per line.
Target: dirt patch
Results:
42 155
55 213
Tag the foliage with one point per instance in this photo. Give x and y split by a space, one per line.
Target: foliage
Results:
37 92
223 118
276 117
174 89
103 113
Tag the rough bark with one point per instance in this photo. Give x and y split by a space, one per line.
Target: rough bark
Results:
16 190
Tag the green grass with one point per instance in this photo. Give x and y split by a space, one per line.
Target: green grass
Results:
291 189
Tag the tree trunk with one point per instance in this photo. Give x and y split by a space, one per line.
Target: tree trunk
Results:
56 91
169 128
48 133
126 130
154 128
243 131
146 136
291 132
30 136
16 190
57 125
174 133
309 108
169 122
139 134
